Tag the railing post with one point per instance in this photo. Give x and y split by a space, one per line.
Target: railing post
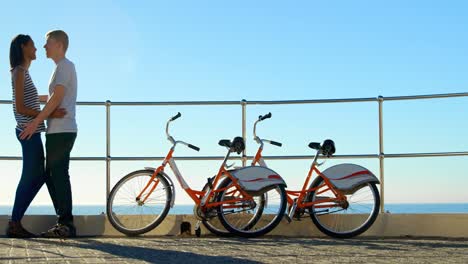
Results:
108 154
244 131
381 155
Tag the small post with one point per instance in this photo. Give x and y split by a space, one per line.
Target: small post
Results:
108 154
244 131
381 155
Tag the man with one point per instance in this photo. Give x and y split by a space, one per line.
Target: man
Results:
60 134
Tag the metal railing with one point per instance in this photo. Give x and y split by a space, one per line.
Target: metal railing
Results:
244 103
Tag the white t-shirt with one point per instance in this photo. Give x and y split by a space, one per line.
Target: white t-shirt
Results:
64 74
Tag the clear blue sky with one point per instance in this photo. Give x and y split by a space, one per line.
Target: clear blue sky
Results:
257 50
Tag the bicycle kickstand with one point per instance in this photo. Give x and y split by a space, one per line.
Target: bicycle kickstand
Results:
198 229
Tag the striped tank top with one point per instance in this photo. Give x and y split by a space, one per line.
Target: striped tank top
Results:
31 100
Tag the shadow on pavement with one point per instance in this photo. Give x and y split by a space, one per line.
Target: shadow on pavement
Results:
142 253
369 243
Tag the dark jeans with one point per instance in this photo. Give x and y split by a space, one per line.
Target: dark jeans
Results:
58 148
32 175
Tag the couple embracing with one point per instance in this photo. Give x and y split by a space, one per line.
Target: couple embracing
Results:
59 112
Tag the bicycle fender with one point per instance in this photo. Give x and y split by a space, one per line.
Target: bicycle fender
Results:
171 183
256 178
348 177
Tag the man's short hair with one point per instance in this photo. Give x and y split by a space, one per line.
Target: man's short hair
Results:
60 36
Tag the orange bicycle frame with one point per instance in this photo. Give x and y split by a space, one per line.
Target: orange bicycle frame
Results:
197 196
300 195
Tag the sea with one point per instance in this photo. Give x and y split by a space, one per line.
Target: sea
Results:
406 208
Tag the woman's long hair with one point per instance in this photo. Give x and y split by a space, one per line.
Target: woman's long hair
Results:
16 50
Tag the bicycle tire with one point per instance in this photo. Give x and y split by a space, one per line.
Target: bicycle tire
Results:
249 231
350 233
218 228
116 223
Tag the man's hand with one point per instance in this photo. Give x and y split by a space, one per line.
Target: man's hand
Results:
29 130
58 113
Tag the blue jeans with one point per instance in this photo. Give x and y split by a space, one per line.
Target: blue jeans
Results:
32 175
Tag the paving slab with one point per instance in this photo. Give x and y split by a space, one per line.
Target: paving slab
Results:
194 250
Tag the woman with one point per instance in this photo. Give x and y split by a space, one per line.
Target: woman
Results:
25 107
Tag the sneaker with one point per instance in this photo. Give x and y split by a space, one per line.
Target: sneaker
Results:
16 230
60 231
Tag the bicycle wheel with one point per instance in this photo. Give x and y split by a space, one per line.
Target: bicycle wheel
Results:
215 226
251 218
133 217
344 220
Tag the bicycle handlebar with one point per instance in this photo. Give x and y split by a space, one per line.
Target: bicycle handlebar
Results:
172 140
176 116
261 118
258 139
193 147
276 143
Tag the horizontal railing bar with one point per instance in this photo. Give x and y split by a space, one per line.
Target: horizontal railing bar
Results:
297 157
7 102
208 103
72 158
89 158
292 157
91 103
10 158
201 103
308 157
314 101
429 96
176 158
422 155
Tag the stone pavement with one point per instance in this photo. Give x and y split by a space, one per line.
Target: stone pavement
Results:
234 250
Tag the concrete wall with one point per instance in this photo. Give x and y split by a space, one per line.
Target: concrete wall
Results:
386 225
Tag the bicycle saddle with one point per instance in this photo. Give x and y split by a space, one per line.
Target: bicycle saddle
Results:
327 148
225 143
237 144
314 145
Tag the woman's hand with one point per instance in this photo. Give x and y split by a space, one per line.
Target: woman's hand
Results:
29 130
